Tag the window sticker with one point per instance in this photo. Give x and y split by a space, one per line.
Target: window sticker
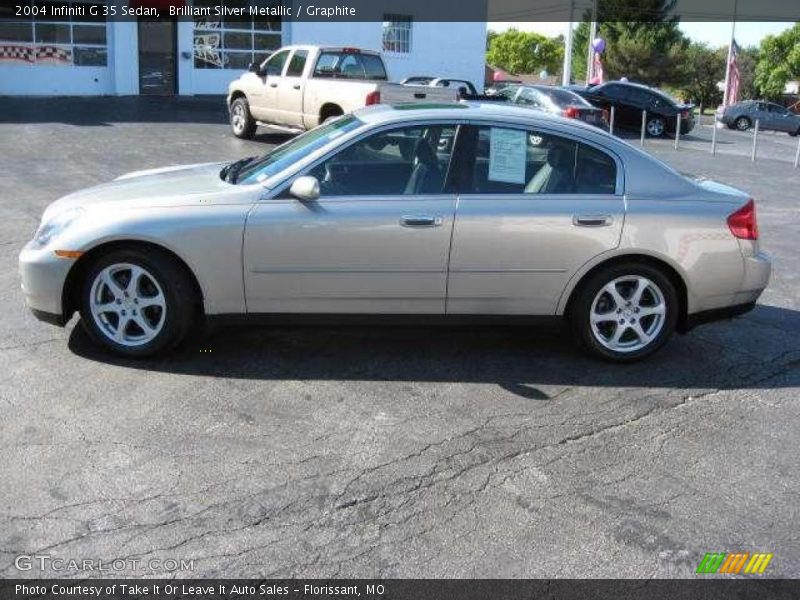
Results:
507 155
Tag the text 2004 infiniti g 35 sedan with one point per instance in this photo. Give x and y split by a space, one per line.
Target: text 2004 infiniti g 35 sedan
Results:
440 210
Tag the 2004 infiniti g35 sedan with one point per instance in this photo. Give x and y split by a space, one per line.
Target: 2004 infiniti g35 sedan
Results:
442 210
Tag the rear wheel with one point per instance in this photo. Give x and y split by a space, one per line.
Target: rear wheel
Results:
137 303
625 312
242 123
743 123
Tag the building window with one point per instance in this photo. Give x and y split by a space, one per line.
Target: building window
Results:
233 43
54 34
397 34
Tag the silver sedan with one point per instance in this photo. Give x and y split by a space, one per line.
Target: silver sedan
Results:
454 212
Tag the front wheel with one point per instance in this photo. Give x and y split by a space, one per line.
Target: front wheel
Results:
137 303
656 127
625 312
243 124
742 123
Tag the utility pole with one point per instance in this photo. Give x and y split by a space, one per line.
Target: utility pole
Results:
566 74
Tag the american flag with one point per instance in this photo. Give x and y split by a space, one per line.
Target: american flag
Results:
597 75
732 91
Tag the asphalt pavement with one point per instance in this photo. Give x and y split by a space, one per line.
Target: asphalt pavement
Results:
384 452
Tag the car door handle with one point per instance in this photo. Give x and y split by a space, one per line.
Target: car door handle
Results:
273 85
592 220
296 87
421 221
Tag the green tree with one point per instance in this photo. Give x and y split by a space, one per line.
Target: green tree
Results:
524 52
702 70
747 61
778 62
643 41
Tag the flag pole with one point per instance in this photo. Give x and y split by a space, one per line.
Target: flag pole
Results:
590 54
725 98
567 70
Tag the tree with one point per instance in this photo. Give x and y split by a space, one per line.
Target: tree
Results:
778 62
703 69
643 41
524 52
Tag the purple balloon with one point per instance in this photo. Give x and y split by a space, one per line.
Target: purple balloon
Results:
599 45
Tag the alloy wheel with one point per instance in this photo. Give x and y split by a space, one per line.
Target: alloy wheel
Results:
628 313
655 127
238 118
127 304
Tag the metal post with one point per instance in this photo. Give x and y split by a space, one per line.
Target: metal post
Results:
714 139
797 155
755 141
678 132
566 73
611 124
644 125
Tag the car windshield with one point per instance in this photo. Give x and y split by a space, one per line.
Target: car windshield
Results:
295 150
562 98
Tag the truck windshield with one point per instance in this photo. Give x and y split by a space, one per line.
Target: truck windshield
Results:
294 150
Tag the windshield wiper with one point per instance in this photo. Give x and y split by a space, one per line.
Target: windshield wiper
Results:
231 171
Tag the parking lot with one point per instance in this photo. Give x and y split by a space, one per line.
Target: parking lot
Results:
387 452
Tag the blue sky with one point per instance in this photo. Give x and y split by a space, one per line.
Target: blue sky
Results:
715 34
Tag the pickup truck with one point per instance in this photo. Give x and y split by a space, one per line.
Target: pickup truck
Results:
299 87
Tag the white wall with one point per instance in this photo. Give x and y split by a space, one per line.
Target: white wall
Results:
439 49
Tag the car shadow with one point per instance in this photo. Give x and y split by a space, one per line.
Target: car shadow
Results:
730 354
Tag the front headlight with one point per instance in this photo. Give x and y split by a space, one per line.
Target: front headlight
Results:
55 225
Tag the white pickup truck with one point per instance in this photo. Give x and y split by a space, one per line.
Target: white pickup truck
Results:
299 87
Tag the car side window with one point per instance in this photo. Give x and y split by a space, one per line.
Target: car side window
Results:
274 64
404 161
516 161
776 108
297 63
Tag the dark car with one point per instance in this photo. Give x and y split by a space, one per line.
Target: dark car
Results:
555 100
630 99
743 115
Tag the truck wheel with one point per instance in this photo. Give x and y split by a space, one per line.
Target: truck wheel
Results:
242 123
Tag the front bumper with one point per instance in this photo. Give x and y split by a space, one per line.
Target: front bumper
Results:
43 275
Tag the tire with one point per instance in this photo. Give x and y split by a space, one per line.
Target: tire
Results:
742 124
795 133
655 127
595 316
162 300
242 123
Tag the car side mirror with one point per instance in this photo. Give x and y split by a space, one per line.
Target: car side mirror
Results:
305 188
254 67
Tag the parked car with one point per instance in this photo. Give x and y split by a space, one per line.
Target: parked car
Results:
369 216
558 101
463 86
630 99
743 116
299 87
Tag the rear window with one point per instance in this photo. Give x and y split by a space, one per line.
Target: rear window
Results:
350 65
564 98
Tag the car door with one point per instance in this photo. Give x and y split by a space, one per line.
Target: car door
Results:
290 89
534 208
780 118
376 241
263 95
761 114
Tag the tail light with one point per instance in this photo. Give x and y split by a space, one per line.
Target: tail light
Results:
606 116
685 115
571 112
373 98
743 223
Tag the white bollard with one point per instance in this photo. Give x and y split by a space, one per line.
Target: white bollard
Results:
644 125
797 155
678 132
611 124
755 141
714 139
